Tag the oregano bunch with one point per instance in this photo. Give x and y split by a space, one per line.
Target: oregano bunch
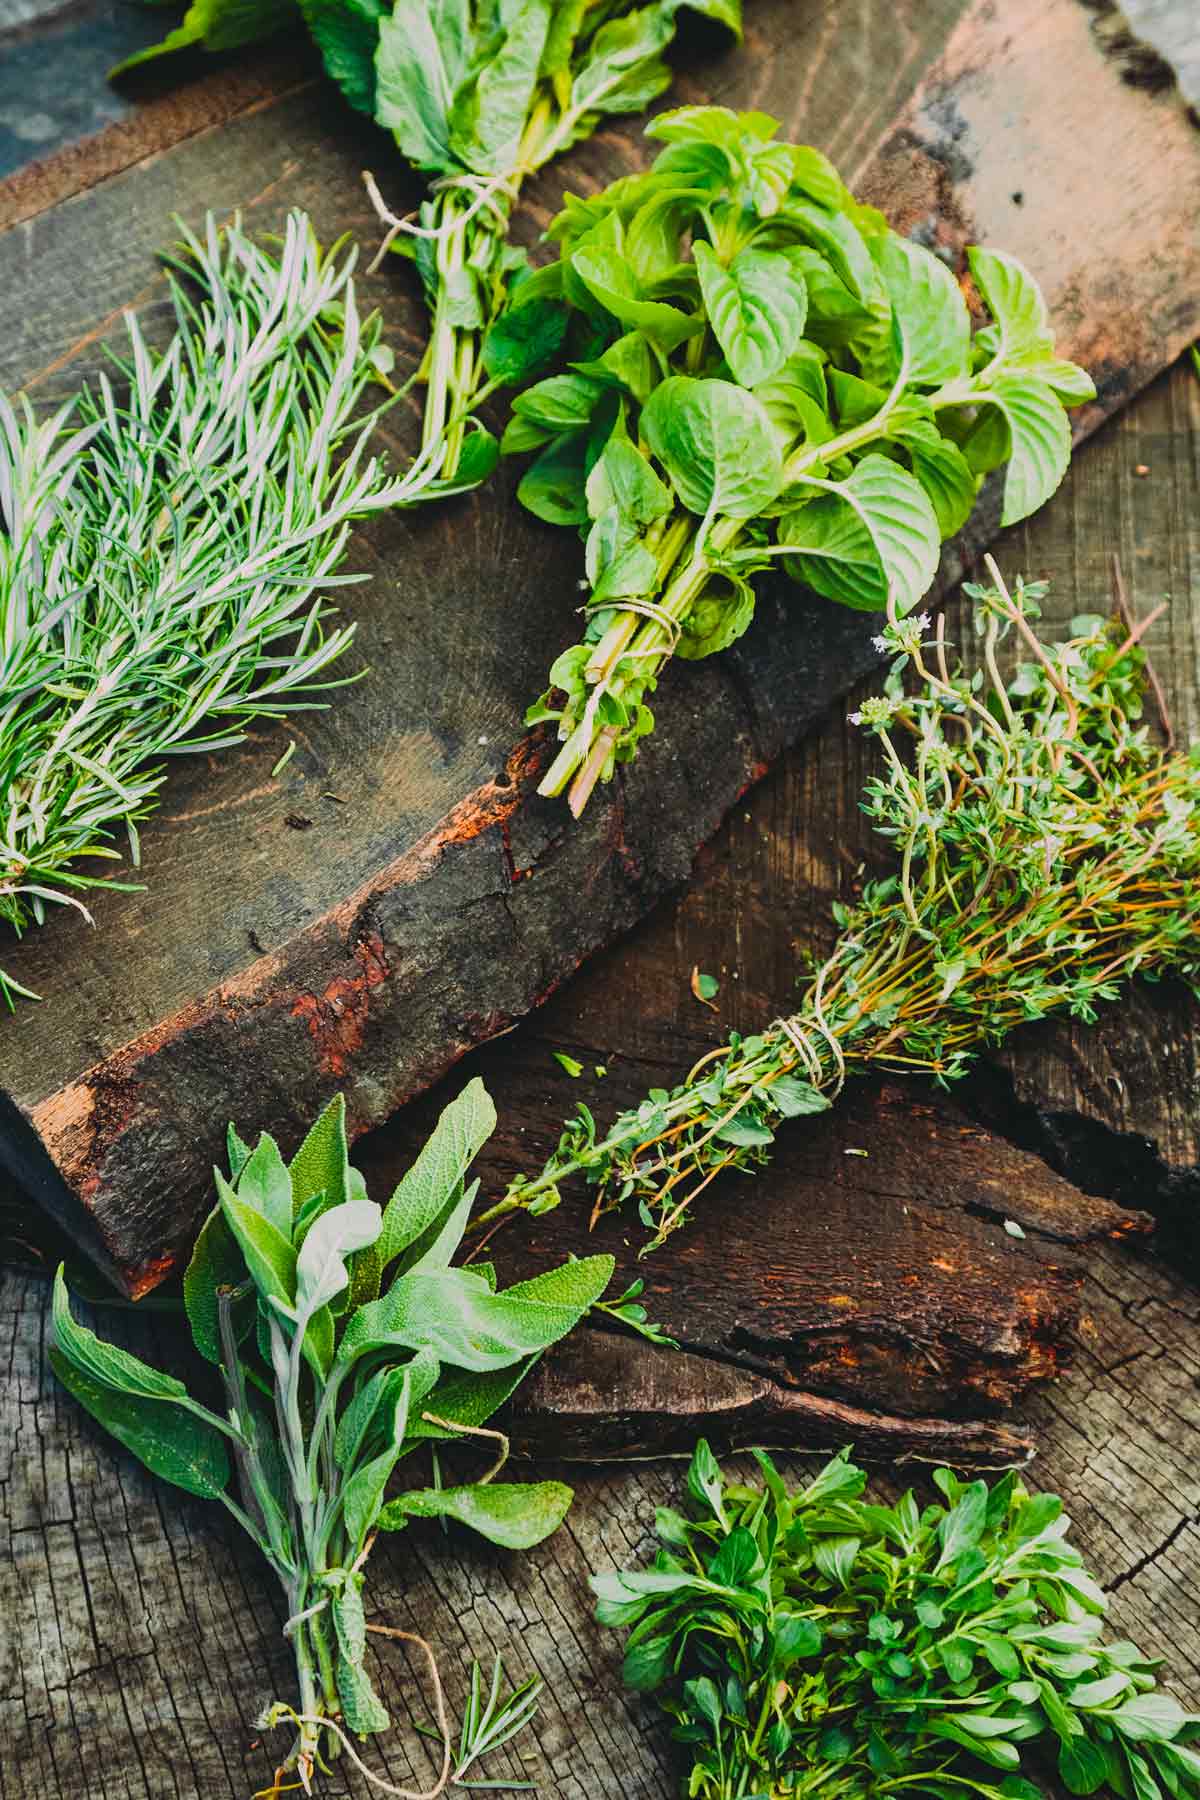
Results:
167 543
808 1641
1046 851
344 1339
758 371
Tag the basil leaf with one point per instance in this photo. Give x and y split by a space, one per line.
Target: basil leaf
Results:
218 25
874 531
716 444
608 277
716 618
553 488
418 64
488 115
933 324
516 1515
942 470
1039 442
1022 325
756 306
523 340
346 32
624 479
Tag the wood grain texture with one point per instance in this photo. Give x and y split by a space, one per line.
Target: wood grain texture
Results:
432 900
140 1636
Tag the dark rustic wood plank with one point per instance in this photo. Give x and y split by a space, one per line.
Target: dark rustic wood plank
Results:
440 900
143 1638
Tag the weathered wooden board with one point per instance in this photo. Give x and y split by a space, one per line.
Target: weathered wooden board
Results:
290 942
141 1636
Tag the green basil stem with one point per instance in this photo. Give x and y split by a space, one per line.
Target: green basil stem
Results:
634 648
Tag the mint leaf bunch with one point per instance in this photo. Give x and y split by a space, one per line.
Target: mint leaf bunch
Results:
1046 852
344 1340
757 369
807 1640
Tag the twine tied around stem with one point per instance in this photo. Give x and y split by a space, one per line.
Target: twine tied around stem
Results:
485 190
645 609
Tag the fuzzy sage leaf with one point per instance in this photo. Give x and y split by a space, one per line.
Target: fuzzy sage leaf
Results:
272 1298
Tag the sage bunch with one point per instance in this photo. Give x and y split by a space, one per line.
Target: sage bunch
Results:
168 538
809 1641
757 371
343 1339
1047 851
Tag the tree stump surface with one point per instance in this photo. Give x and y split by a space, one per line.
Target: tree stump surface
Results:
399 893
141 1638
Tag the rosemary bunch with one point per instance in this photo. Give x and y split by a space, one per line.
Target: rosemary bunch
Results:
165 540
1047 851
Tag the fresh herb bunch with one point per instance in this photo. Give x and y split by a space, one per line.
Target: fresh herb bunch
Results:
163 556
478 94
810 1642
1048 851
344 1340
758 368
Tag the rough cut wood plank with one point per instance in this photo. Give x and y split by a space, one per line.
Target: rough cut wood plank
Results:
143 1637
884 1282
440 901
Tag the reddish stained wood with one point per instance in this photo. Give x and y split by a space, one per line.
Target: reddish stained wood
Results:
117 1099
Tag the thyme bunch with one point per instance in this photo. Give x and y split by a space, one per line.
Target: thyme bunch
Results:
1047 851
166 540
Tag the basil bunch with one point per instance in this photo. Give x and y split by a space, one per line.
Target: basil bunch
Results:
756 367
809 1641
344 1340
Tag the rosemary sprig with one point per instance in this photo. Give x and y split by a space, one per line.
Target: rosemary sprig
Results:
166 540
1048 851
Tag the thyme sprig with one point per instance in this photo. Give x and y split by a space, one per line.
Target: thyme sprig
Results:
167 539
1047 850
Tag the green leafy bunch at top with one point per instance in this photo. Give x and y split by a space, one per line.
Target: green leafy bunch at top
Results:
477 94
807 1641
344 1340
756 367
